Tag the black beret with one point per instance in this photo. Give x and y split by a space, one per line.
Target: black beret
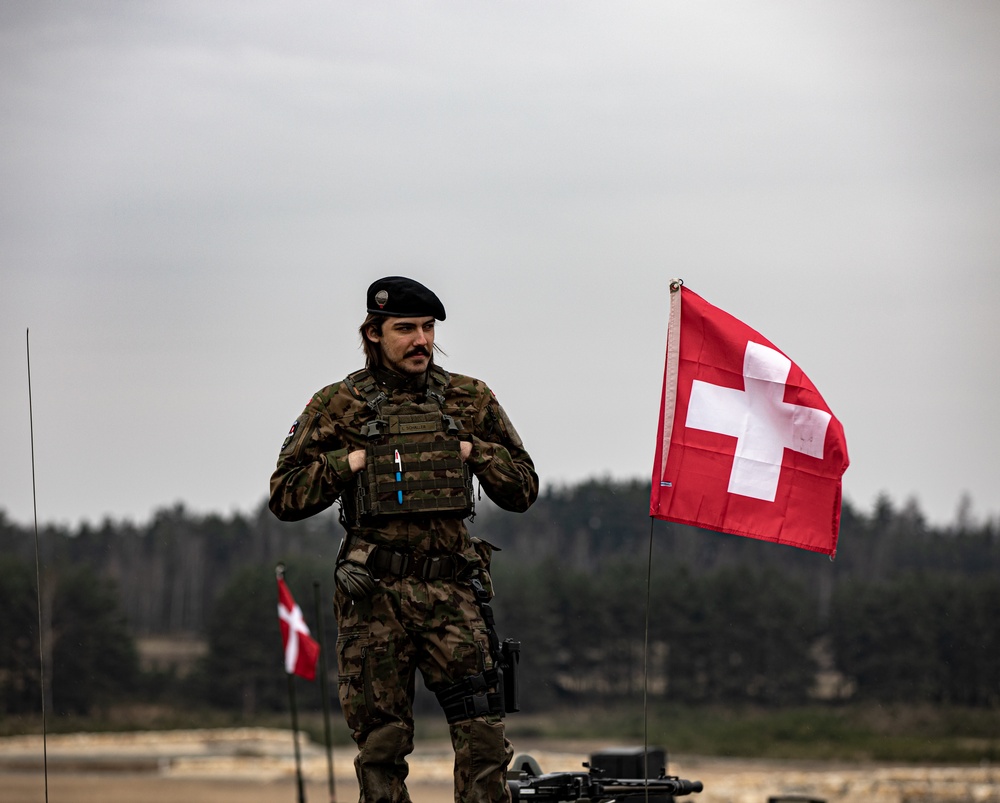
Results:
399 297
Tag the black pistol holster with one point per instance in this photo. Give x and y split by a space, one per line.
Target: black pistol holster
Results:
492 691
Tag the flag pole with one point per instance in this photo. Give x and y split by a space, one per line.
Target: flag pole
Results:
645 662
324 692
295 738
279 573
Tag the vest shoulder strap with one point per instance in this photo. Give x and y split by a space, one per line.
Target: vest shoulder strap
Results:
438 380
363 385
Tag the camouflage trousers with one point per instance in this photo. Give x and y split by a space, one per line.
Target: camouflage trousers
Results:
405 625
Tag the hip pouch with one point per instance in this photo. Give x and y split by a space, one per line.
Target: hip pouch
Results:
352 575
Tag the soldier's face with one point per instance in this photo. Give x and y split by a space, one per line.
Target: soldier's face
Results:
406 343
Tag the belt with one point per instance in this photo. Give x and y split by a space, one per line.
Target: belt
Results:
384 561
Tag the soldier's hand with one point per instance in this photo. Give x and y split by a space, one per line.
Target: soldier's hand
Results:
466 449
356 460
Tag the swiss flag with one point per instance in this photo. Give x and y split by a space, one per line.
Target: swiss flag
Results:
301 651
745 444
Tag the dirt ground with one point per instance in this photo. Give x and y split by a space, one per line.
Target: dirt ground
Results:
257 766
22 787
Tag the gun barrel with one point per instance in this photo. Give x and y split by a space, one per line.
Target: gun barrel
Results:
560 787
687 787
669 786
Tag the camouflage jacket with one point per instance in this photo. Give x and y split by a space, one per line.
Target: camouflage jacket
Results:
313 469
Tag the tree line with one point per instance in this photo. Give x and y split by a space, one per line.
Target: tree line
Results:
605 602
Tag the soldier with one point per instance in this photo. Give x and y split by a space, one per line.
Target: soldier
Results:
398 443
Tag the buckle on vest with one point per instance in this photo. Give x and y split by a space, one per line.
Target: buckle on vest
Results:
375 428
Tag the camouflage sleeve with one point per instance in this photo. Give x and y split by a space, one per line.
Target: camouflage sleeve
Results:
312 468
500 461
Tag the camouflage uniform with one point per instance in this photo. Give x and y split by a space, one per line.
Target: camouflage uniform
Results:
408 623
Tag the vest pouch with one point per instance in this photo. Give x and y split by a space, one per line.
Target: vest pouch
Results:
416 469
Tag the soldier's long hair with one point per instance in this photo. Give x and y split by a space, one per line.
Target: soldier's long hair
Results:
373 352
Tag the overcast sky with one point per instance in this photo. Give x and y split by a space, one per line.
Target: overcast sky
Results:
195 196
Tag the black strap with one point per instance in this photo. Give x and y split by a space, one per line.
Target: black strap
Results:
471 697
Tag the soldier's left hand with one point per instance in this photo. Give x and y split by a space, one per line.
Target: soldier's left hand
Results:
356 460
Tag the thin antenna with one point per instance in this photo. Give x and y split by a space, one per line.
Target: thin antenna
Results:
38 574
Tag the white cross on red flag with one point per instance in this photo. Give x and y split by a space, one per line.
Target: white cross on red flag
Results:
301 650
745 444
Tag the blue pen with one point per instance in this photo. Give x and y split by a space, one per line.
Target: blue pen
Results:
399 476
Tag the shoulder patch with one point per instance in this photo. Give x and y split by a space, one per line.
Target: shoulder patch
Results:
509 426
290 435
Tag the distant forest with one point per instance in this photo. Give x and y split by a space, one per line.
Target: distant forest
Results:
907 611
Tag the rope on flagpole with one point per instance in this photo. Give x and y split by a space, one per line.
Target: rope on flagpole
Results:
670 371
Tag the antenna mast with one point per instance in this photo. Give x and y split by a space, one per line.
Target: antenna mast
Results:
38 574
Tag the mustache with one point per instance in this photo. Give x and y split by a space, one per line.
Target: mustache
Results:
419 351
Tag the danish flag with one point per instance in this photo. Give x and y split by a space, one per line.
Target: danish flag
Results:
745 443
301 650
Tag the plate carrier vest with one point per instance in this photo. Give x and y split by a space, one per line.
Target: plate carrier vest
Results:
414 462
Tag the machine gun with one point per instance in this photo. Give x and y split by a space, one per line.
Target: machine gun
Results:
554 787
